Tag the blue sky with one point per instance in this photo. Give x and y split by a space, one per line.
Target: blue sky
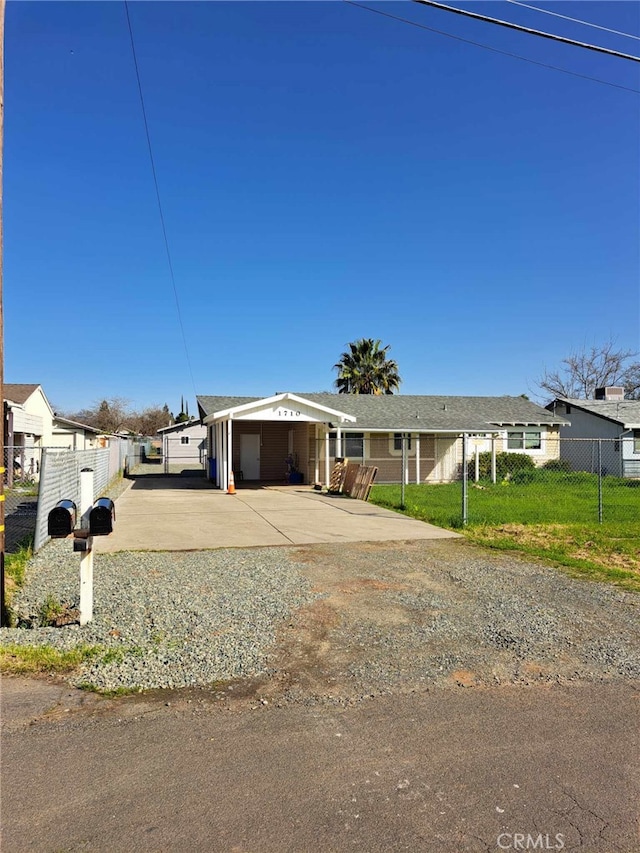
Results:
326 173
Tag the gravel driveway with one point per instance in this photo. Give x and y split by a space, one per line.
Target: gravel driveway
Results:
328 623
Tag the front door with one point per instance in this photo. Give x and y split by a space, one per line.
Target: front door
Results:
250 455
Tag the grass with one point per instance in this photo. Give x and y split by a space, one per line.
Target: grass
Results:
550 515
21 660
15 566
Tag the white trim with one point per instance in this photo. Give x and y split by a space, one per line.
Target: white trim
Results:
398 453
265 402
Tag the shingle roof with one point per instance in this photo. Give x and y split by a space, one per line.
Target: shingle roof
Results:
404 413
67 422
625 412
18 393
181 426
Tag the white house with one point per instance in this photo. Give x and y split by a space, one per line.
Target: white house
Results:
606 432
72 435
31 425
184 443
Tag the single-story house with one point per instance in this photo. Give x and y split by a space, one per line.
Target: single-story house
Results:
261 438
184 441
72 435
613 425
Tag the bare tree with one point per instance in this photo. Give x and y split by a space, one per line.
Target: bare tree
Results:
582 372
150 420
110 415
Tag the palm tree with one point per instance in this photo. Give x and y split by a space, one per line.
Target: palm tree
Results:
365 369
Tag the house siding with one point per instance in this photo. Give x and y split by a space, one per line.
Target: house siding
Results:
617 455
175 451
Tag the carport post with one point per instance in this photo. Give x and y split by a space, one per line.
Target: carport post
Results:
327 475
418 457
316 473
220 451
229 452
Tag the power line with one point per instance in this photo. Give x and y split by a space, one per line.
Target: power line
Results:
492 49
155 183
527 30
575 20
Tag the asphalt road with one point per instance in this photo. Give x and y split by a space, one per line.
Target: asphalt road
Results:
459 769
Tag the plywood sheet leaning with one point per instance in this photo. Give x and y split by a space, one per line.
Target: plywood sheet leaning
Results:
359 480
350 478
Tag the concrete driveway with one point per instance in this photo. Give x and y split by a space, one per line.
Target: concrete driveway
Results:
174 513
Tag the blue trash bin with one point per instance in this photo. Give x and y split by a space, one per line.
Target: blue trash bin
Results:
212 470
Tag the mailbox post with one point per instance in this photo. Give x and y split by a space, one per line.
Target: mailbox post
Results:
95 519
86 553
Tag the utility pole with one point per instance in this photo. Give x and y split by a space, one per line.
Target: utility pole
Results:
3 618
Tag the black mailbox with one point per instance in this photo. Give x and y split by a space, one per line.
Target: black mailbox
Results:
62 519
101 517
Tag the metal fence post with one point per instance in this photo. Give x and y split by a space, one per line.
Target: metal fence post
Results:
600 480
465 515
404 467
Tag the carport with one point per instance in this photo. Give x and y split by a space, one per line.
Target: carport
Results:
185 514
254 438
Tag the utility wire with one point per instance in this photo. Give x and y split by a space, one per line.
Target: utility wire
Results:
155 183
575 20
492 49
528 30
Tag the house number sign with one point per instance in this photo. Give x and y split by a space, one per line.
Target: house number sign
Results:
288 413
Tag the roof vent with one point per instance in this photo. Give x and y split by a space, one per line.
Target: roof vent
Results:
610 392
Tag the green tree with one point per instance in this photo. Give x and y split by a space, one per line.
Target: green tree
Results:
365 369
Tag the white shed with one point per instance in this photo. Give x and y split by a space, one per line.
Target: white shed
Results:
184 444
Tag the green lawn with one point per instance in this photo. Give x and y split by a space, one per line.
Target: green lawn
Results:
531 497
553 515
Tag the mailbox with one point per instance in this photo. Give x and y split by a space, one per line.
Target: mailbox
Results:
101 517
62 519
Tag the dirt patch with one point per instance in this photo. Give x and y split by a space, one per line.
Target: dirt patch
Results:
403 617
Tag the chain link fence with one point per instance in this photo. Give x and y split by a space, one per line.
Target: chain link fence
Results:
183 455
37 477
525 477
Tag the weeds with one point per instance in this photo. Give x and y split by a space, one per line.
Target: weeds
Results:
16 659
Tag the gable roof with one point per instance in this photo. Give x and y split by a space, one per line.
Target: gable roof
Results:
194 422
65 422
414 413
18 393
623 412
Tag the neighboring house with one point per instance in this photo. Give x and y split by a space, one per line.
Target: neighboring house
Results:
609 418
72 435
31 425
183 442
28 428
258 435
29 416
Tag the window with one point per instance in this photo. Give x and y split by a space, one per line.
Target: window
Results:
524 439
397 441
352 444
395 444
184 439
636 441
